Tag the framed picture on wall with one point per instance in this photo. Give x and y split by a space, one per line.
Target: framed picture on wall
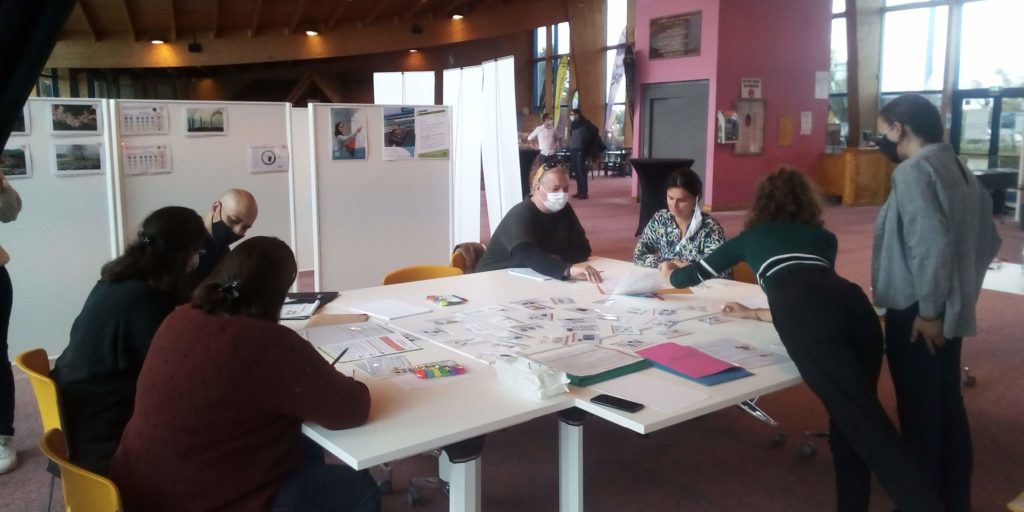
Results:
77 159
750 138
675 36
16 162
22 123
348 126
78 118
206 121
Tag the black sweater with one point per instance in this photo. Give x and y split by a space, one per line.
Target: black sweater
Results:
549 243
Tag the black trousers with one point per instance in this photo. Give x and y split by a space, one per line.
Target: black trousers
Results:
319 486
6 373
834 337
933 419
578 165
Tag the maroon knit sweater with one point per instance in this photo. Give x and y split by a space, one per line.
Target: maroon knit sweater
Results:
218 410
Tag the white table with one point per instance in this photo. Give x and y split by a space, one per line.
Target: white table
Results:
1008 278
407 422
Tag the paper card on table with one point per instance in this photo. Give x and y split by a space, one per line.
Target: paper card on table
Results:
369 347
525 328
740 353
506 321
319 335
583 328
296 310
390 309
326 319
541 316
562 300
651 392
384 367
618 329
584 360
685 360
715 320
672 333
631 343
636 282
528 273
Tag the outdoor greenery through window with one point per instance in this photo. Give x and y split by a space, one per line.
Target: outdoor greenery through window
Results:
615 83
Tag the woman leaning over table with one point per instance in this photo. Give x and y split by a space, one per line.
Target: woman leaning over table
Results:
934 239
222 398
830 331
10 206
680 232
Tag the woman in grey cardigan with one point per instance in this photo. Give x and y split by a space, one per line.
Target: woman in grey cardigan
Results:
934 239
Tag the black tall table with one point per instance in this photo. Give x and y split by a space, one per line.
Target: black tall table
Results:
997 182
652 173
526 158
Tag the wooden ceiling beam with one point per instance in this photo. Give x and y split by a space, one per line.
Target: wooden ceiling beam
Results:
415 9
336 15
174 21
131 22
256 18
90 22
215 18
381 5
296 17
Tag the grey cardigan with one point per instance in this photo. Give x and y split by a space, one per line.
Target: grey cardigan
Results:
934 239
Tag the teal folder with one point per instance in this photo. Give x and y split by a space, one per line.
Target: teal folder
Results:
584 381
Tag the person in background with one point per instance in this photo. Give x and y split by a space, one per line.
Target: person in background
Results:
222 398
830 331
681 232
934 239
10 207
542 232
547 137
96 373
345 144
584 143
227 222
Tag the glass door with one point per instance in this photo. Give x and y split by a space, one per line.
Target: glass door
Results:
988 126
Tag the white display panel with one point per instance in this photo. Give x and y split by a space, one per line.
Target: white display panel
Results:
499 139
463 90
302 171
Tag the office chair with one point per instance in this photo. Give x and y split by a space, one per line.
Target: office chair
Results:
420 273
36 364
84 490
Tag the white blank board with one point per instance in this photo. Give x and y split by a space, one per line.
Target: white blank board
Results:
303 187
375 216
59 242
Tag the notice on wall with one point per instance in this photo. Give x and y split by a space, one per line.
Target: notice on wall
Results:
785 130
822 80
805 123
268 159
143 119
750 88
433 133
750 140
140 160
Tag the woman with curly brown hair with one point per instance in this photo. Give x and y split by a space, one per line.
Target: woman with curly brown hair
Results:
830 331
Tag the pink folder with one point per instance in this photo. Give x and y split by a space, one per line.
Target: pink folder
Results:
685 360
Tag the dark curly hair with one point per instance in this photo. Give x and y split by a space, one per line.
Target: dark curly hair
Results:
252 280
785 196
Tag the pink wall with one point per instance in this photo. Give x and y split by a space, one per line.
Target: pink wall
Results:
782 43
700 67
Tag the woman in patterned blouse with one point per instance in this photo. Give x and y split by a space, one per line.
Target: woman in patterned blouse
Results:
680 232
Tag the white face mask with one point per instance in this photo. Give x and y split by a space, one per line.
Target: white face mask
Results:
555 201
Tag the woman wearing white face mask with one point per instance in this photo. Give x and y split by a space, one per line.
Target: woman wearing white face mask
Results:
542 232
679 233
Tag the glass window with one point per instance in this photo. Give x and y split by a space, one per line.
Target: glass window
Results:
987 42
935 98
540 72
615 84
540 41
838 57
615 129
838 6
913 49
615 22
562 38
895 3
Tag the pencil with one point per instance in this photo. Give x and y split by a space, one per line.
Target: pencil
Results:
336 359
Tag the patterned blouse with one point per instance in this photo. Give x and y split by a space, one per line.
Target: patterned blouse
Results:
662 240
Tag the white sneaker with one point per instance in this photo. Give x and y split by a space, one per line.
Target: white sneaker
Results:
8 455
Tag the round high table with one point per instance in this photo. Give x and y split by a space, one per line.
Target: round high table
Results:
652 173
526 158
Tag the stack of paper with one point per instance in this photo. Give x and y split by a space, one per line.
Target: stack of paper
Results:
358 341
590 364
690 363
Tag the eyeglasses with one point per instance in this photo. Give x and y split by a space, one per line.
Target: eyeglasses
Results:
551 165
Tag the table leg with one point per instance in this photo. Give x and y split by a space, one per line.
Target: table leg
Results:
570 467
464 490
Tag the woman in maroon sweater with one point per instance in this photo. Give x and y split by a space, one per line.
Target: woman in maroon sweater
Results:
222 397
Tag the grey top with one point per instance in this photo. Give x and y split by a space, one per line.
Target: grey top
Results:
934 239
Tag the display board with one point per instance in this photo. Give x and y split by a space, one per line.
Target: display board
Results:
206 149
303 187
65 231
373 216
463 91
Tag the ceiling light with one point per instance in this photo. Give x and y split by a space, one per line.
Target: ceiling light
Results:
310 32
457 16
413 50
157 41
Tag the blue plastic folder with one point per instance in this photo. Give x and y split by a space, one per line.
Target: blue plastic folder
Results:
710 380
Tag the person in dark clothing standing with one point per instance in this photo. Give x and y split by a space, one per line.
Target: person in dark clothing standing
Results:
96 373
227 222
542 232
584 143
10 206
831 332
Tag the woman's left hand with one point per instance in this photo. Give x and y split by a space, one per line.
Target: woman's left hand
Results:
666 268
930 331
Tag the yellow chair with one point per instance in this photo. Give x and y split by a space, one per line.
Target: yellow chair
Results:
420 273
84 490
466 255
36 364
743 273
458 261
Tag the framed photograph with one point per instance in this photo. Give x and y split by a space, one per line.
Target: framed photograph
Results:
750 138
675 36
22 123
399 133
348 129
16 162
77 159
79 118
206 121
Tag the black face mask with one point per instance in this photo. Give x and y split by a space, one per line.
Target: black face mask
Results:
222 235
888 148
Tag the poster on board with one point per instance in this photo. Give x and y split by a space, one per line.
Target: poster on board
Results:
399 133
268 158
151 159
16 162
22 123
206 121
143 119
75 118
433 133
750 140
77 159
348 126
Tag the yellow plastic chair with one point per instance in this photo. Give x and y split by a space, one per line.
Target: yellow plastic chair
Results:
458 261
743 273
420 273
36 364
84 490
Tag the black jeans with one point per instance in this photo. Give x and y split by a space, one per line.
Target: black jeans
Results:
933 419
318 486
578 163
6 374
833 336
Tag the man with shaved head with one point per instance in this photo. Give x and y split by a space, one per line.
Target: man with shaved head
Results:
229 218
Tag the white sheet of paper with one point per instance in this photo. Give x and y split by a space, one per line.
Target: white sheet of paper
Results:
389 309
651 392
739 352
636 282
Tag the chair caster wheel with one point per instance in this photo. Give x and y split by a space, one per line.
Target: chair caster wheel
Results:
807 449
779 438
385 487
413 497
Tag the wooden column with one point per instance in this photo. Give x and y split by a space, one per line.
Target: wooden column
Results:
587 35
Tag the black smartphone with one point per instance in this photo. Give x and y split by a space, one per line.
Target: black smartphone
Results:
617 403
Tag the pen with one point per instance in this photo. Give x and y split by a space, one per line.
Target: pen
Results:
336 359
